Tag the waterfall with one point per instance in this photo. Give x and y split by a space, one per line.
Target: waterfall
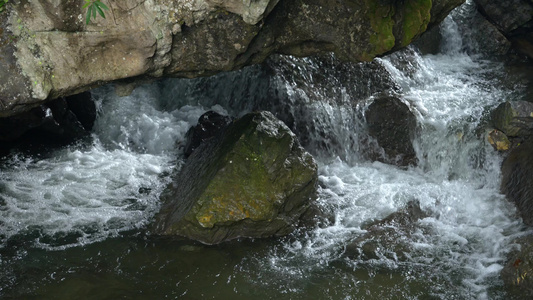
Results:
77 215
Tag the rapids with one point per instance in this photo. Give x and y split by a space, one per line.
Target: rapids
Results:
73 220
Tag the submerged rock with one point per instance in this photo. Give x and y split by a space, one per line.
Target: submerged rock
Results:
393 125
517 179
253 180
387 237
209 124
518 271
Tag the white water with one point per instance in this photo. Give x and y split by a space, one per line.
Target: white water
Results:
86 193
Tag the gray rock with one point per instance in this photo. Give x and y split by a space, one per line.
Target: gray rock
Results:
517 179
514 118
517 274
209 125
47 51
254 180
393 125
513 18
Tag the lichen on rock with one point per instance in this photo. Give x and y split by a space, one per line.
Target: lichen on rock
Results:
254 180
53 52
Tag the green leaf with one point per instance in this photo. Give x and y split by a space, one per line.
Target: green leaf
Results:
94 12
100 4
88 18
87 3
100 11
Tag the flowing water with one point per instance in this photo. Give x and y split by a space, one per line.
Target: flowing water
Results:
73 221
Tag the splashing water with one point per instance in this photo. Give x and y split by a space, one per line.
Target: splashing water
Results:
65 209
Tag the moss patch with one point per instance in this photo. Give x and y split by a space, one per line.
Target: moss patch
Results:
416 17
381 40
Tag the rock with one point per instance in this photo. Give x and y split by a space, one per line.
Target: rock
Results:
209 124
513 19
429 42
479 35
393 125
254 180
517 179
514 118
499 140
387 237
84 108
517 274
55 123
61 119
47 51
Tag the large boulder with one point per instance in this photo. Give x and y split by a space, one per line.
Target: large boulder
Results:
517 179
517 273
393 125
47 50
513 18
253 180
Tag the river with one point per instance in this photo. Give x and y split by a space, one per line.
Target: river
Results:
73 220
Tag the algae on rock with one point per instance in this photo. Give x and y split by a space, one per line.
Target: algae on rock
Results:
254 180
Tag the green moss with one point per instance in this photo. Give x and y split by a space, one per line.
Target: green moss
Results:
381 19
241 190
416 17
244 186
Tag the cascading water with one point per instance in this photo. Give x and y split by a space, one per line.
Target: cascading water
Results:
71 221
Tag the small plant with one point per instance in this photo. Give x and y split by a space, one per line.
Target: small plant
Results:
2 4
93 7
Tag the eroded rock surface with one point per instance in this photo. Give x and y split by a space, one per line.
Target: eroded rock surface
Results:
253 180
48 51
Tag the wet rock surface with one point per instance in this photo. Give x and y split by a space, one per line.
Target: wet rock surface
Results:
209 125
387 237
57 122
48 51
517 179
393 125
253 180
514 19
517 273
514 118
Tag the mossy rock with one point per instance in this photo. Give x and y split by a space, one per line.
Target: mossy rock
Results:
253 180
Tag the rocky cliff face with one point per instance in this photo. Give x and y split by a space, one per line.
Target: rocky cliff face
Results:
47 50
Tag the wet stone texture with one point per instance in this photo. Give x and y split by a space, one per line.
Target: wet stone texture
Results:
518 272
253 180
393 126
48 51
517 179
